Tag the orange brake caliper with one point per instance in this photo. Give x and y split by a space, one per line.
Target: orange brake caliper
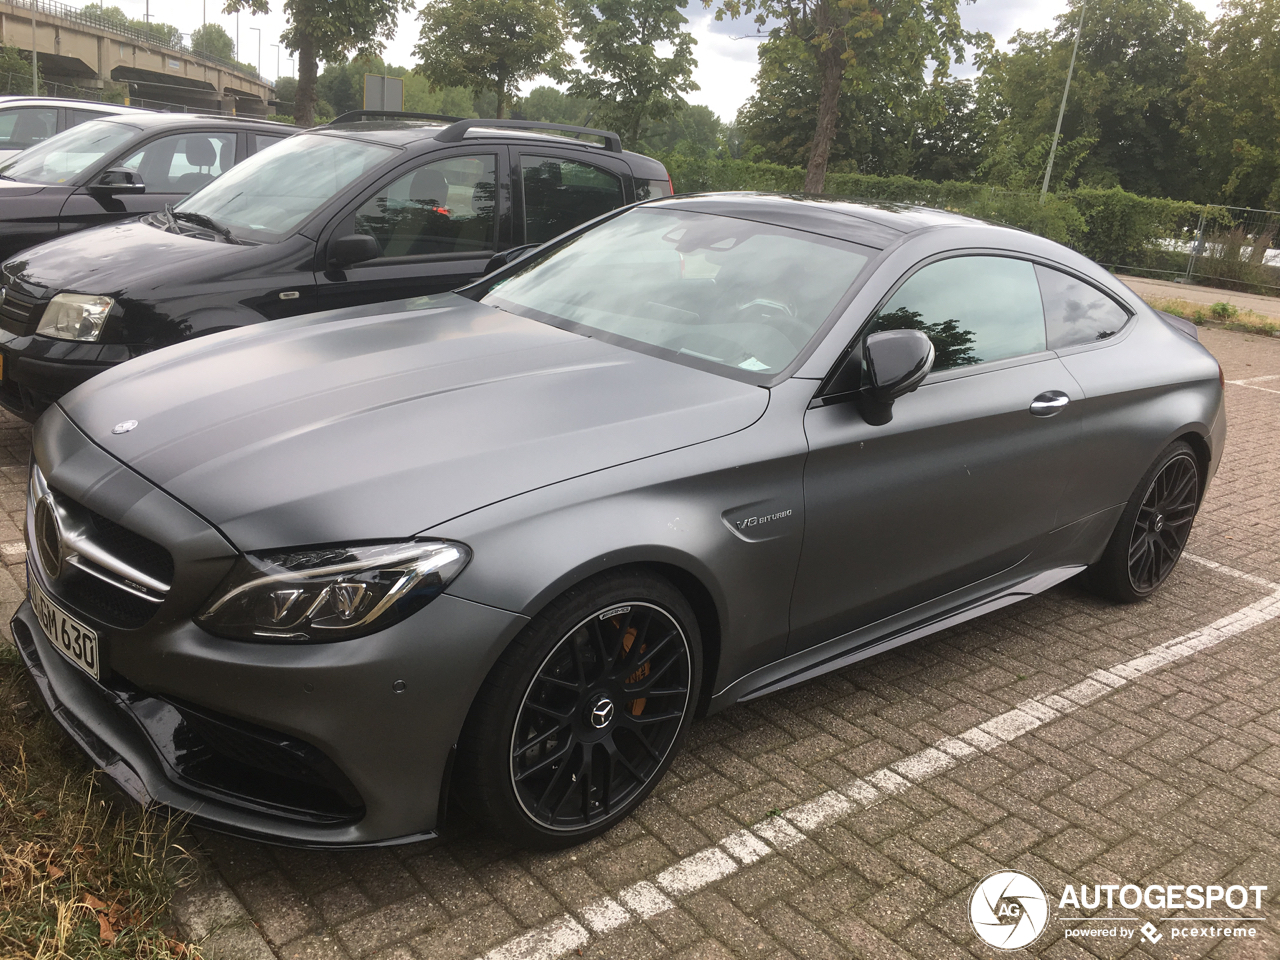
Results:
637 706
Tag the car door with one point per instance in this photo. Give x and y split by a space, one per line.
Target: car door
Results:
170 167
966 478
22 127
559 191
436 223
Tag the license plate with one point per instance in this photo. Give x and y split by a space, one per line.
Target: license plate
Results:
69 636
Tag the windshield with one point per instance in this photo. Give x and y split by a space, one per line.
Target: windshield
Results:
65 157
743 294
273 191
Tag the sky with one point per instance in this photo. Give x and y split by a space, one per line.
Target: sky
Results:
726 51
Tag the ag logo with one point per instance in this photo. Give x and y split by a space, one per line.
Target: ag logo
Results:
1008 910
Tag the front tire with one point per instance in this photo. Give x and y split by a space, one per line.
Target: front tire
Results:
584 712
1153 529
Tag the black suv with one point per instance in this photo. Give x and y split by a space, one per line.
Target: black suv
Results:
360 211
117 167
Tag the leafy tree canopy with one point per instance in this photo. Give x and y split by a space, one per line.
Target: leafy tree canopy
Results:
213 41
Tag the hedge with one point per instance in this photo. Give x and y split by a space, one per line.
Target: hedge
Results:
1113 227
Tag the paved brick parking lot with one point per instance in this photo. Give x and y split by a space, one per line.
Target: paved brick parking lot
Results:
1078 741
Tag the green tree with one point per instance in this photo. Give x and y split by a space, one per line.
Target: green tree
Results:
855 44
1126 93
624 72
694 131
1233 104
213 41
286 91
329 30
550 105
113 14
491 45
15 72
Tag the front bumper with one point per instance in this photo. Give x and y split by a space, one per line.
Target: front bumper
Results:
40 370
337 744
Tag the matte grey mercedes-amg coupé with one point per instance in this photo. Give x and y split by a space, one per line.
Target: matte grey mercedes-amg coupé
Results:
308 579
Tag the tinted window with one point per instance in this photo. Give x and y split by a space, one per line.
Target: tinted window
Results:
974 309
442 207
184 163
21 128
649 189
262 141
272 192
735 292
75 117
1075 312
560 194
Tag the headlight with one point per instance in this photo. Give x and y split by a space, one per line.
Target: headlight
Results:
74 316
334 593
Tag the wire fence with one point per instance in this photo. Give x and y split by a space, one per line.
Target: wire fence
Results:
149 36
1216 245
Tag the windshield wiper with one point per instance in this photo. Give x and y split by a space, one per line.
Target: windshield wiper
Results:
201 220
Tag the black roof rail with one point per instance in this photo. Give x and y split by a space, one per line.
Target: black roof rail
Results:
455 133
352 115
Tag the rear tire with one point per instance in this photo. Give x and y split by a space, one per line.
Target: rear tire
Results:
1152 530
584 712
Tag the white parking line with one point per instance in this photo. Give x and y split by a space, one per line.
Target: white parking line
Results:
645 899
1252 383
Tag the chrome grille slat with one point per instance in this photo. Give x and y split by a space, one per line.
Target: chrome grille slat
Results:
18 312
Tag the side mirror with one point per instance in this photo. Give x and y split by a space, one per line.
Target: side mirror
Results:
897 361
118 180
354 248
500 260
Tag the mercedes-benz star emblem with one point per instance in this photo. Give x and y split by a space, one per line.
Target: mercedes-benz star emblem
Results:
48 537
124 427
601 714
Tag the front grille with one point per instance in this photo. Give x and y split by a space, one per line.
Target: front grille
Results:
106 571
20 314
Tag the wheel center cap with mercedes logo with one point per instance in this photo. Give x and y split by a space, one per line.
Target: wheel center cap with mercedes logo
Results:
48 537
601 713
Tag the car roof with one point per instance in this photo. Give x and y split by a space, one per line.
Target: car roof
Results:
408 132
148 120
869 222
68 102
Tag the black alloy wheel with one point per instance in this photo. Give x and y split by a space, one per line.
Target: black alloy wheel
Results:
1152 530
1163 523
600 716
583 712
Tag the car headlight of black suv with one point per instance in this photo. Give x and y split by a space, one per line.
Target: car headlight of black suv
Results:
75 316
330 593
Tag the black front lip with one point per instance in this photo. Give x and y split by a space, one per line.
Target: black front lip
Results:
112 741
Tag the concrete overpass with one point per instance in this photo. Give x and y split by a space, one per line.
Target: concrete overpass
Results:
87 50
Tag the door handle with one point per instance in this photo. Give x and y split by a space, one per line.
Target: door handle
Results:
1049 403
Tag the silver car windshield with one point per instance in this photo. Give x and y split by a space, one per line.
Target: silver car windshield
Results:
64 157
739 293
272 192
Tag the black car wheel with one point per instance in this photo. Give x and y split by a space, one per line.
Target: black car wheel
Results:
584 712
1153 529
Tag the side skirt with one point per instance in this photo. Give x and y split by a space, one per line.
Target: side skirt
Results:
878 637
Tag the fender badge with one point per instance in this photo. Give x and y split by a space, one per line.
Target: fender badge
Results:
124 427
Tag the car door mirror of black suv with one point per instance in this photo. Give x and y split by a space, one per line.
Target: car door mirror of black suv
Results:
118 180
896 361
354 248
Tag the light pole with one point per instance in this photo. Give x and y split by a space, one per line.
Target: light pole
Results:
1048 170
259 32
237 36
35 71
277 46
293 68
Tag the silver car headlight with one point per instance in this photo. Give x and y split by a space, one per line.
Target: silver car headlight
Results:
330 593
75 316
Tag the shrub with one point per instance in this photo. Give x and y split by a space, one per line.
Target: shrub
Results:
1223 311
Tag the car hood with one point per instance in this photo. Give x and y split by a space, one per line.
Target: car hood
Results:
18 188
128 258
321 430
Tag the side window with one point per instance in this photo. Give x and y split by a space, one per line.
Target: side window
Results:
560 194
442 207
183 163
24 127
76 117
261 141
974 309
1076 313
651 189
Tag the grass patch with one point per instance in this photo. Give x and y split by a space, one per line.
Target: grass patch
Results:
1220 314
80 876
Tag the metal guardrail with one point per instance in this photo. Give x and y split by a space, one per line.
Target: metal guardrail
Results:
152 38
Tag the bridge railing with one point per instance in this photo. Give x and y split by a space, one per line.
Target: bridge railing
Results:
155 38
